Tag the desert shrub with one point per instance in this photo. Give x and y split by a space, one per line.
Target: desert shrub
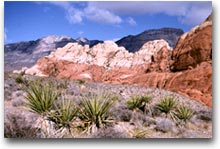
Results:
184 113
115 98
123 115
81 81
19 79
63 114
138 103
63 85
139 133
40 97
109 132
16 126
96 111
166 104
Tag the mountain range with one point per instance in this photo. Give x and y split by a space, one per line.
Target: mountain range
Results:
26 53
134 42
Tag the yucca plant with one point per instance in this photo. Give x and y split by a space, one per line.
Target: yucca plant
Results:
96 111
167 104
40 97
64 113
138 102
184 113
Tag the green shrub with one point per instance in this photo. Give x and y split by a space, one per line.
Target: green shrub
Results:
138 102
184 113
167 104
96 111
40 97
19 79
81 81
63 114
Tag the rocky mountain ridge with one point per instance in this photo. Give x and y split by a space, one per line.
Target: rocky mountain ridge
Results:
134 42
20 54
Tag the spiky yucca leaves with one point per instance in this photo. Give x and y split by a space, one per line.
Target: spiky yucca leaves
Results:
40 97
138 102
184 113
64 113
97 110
167 104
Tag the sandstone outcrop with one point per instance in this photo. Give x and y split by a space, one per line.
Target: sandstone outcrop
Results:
193 47
104 62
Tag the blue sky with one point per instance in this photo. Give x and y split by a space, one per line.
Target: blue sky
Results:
26 21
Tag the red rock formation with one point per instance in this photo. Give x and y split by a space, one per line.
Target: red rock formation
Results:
193 48
160 61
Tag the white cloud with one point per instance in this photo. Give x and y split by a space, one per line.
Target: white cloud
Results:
142 7
66 5
190 13
194 17
131 21
75 15
101 15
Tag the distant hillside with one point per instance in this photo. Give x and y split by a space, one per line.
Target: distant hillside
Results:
134 42
26 53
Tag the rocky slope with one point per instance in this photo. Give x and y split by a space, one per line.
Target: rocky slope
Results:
134 42
20 122
18 55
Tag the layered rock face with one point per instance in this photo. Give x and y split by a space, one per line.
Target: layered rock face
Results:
186 70
193 47
193 57
134 42
106 56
